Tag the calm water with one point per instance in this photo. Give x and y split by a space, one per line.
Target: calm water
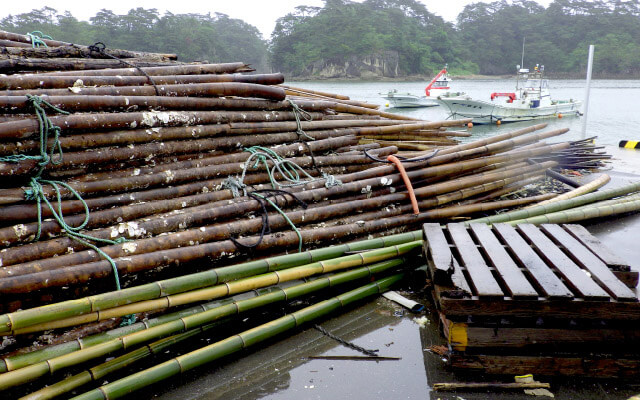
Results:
613 109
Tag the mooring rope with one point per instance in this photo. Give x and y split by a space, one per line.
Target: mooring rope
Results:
36 39
36 191
100 47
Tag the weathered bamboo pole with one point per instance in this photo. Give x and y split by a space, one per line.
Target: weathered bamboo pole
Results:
167 224
218 89
71 48
75 51
179 69
23 82
235 343
14 65
490 386
321 130
146 151
13 195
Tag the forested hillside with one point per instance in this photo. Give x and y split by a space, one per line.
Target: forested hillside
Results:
486 39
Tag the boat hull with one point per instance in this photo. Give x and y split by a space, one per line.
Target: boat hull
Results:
399 100
482 112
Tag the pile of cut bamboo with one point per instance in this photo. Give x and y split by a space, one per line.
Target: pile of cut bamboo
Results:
158 175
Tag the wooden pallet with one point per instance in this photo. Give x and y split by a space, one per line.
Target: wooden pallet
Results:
547 271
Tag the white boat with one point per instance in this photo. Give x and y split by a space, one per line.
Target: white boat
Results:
531 100
439 86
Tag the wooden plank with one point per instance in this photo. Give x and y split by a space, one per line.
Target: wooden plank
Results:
510 273
587 260
550 365
524 337
540 272
578 308
591 242
575 277
444 267
480 274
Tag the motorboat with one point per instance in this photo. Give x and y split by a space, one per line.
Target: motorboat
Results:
439 86
531 100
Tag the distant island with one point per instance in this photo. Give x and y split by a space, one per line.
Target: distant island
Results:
376 39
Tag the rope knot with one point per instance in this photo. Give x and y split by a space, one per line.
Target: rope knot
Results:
36 39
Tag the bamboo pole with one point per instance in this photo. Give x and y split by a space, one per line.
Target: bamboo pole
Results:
179 69
235 343
559 206
591 211
490 386
230 288
22 82
584 189
31 372
194 281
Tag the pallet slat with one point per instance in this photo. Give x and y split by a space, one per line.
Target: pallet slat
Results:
510 273
540 272
574 276
444 268
480 274
586 259
585 237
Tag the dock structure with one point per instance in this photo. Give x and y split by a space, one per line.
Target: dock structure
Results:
550 298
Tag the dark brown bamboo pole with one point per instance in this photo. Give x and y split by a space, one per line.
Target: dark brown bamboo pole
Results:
70 48
11 43
24 129
216 89
180 69
321 129
75 51
84 272
14 65
8 196
183 220
22 82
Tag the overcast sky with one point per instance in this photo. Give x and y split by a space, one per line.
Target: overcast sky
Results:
259 13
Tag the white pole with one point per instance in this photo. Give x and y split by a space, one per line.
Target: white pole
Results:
586 95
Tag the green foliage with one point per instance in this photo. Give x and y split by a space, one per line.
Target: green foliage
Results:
342 29
215 38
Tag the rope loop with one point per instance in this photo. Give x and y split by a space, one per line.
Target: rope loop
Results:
299 112
36 38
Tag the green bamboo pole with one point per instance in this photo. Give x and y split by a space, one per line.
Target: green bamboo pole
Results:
584 189
34 371
559 206
234 343
70 308
222 290
290 293
30 361
597 210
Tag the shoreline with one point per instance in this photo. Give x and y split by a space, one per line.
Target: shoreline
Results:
414 78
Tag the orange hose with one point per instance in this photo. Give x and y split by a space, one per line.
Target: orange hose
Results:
407 182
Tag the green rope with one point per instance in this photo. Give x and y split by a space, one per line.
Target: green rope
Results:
36 39
299 112
284 215
36 192
292 172
46 130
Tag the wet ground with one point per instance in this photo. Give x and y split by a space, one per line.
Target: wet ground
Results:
282 370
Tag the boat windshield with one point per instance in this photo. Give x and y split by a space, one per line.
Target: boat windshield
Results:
535 83
440 84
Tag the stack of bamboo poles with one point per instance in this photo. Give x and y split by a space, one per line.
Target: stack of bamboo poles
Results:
158 177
